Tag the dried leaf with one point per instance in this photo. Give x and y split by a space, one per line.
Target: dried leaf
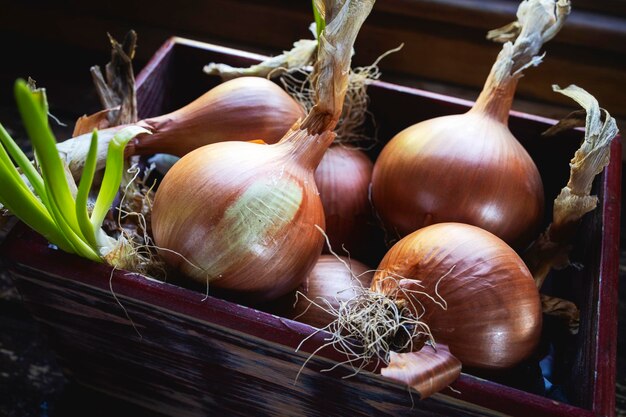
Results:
573 120
117 91
589 160
86 124
538 21
563 309
550 250
332 67
301 55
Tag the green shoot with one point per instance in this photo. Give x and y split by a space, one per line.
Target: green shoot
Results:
82 196
22 161
112 173
320 22
51 209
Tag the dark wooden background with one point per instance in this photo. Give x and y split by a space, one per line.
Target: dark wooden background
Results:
444 51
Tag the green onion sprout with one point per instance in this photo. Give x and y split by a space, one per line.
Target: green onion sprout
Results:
43 199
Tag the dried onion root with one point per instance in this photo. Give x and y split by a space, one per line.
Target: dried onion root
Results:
370 325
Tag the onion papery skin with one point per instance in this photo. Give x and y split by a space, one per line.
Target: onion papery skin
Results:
331 280
245 214
241 109
343 179
493 316
465 168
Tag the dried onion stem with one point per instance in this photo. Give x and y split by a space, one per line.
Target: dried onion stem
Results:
550 250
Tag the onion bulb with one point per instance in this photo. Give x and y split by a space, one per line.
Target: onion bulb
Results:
469 167
343 178
240 109
470 288
241 215
332 281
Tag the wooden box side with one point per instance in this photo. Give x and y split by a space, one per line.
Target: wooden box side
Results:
596 365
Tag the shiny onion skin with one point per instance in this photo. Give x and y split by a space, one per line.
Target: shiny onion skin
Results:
331 280
244 214
465 168
343 178
469 167
493 317
242 109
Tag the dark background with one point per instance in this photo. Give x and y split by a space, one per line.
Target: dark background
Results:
444 51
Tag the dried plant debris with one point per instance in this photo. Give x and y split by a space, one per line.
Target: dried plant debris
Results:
551 249
537 22
294 69
117 91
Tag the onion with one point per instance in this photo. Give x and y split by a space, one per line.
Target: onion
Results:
343 178
470 168
243 215
491 315
245 108
332 281
241 109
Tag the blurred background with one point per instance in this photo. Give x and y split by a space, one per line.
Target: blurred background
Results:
445 51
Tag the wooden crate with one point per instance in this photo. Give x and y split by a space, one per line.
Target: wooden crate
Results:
170 349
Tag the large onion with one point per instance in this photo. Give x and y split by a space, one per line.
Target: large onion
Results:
464 168
492 315
469 168
244 214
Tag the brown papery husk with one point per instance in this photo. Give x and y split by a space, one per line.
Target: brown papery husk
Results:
133 249
242 109
469 168
333 280
470 288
